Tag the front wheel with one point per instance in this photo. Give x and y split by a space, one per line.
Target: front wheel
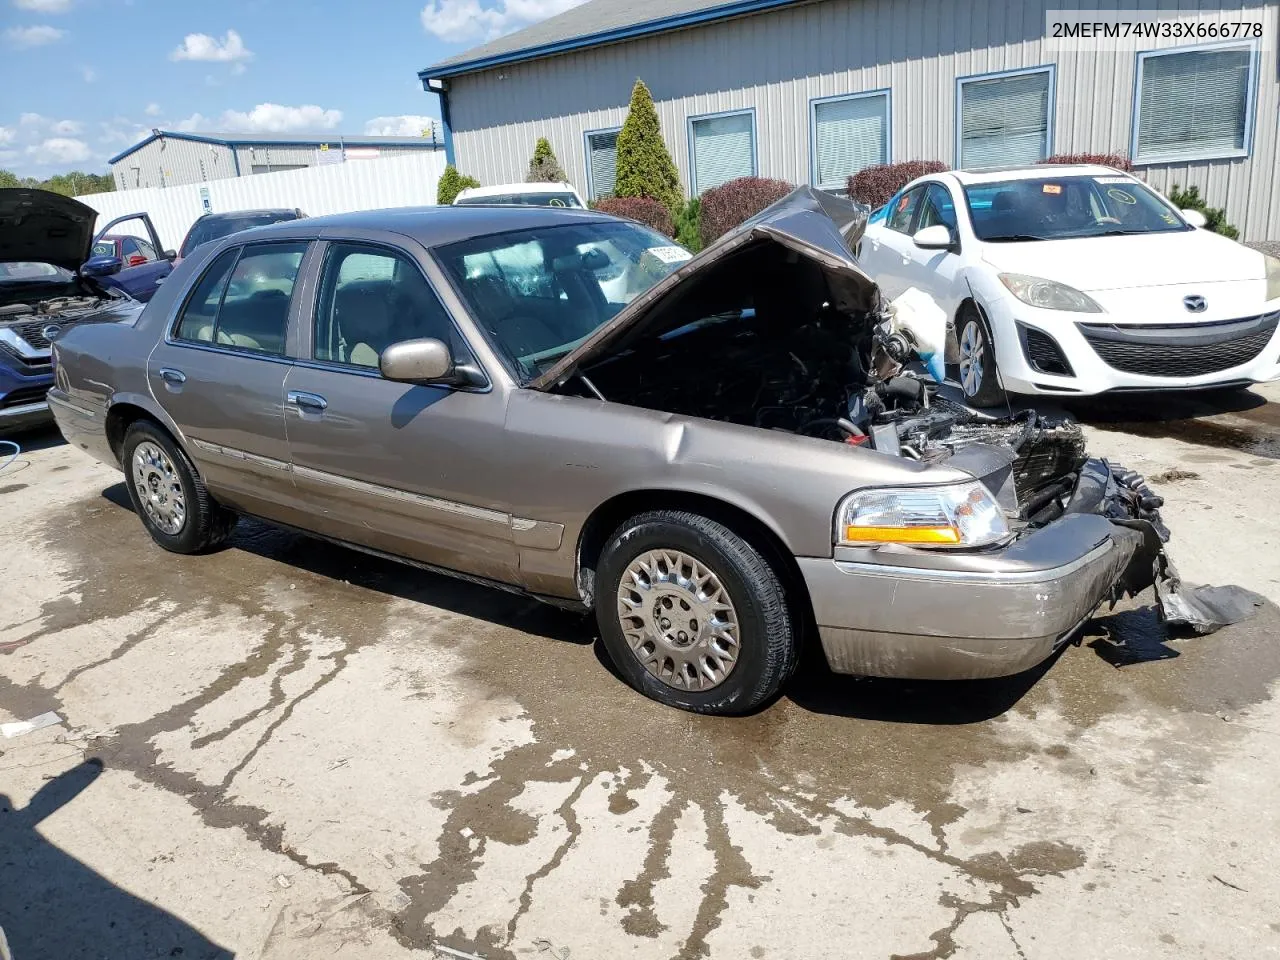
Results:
692 615
978 377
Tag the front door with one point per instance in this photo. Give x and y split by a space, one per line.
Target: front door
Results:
937 272
412 470
888 251
220 372
143 264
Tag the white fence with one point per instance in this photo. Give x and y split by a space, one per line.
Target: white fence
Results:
405 181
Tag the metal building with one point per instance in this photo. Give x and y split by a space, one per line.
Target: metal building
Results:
168 158
812 90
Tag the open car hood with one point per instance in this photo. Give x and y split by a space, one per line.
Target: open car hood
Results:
44 227
806 222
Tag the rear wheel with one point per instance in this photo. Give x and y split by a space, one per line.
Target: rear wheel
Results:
693 615
978 377
168 495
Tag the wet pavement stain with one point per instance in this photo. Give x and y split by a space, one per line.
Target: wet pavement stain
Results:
830 738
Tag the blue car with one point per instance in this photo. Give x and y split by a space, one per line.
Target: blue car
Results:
50 281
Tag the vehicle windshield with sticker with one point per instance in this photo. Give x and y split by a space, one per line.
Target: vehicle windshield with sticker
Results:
1066 208
539 293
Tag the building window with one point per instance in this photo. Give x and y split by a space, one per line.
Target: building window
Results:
1004 119
1194 104
848 133
602 162
722 147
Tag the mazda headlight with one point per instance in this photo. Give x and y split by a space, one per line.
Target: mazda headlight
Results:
1048 294
955 515
1273 277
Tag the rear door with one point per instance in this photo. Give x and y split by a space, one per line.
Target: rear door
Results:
219 372
412 470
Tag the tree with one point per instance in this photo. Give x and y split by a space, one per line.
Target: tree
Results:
73 184
645 168
544 167
451 184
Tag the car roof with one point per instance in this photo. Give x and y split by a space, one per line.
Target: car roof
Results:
431 226
501 188
1038 172
264 211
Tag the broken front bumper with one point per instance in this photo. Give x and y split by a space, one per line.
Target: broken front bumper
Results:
952 616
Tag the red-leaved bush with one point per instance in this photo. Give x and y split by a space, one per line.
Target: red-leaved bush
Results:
874 185
726 206
651 213
1117 160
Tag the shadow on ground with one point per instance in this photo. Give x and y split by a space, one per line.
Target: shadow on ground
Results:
55 906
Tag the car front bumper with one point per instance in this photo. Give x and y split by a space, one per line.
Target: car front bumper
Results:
24 416
938 616
1091 373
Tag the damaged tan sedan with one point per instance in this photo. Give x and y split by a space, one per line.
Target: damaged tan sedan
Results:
721 455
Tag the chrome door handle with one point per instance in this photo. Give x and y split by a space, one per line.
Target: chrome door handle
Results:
306 401
170 375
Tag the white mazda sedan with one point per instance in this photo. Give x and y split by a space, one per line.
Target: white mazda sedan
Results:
1077 280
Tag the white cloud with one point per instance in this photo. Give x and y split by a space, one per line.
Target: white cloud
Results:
44 6
153 110
265 118
407 125
66 128
89 75
7 134
33 36
121 131
59 150
201 46
457 21
31 120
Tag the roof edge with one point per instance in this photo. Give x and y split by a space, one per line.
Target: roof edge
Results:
631 32
231 140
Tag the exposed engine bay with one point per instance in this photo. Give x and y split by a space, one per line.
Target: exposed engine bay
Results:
782 331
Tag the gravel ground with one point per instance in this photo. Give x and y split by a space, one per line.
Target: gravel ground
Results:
286 749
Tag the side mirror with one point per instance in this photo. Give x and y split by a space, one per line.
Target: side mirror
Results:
937 237
101 266
417 361
171 254
1194 217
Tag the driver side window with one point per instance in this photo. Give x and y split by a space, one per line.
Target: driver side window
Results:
904 210
938 209
370 298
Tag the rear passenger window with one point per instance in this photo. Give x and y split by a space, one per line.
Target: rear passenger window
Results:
371 298
244 302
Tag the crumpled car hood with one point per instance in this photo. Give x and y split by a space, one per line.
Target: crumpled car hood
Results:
44 227
812 224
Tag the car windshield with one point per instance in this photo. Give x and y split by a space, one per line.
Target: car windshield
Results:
23 271
1064 208
533 199
538 293
214 228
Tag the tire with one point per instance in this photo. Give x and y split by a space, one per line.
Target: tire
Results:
758 618
180 514
979 380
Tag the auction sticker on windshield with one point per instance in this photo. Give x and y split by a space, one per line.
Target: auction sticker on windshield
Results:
670 254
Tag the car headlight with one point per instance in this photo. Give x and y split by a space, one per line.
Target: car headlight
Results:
1048 294
1273 277
955 515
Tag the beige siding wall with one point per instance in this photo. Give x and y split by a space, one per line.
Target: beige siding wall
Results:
170 162
778 62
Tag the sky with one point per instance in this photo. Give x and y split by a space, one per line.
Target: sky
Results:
80 80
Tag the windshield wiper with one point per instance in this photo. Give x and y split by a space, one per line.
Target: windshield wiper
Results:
1012 238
